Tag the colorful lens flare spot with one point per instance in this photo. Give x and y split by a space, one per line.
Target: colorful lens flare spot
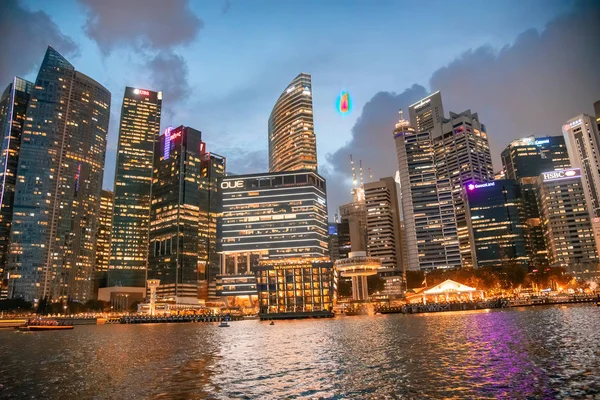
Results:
344 103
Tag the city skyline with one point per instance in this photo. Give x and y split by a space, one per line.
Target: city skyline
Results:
100 52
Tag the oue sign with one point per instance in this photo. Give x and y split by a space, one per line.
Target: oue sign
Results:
232 184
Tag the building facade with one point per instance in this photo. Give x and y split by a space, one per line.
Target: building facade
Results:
430 237
138 132
13 107
427 115
273 215
182 229
57 196
295 286
496 224
103 235
566 221
292 140
462 157
383 231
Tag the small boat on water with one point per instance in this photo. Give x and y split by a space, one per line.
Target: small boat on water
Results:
224 324
272 323
46 325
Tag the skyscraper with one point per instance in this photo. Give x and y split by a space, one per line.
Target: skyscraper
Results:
430 238
383 231
179 217
495 218
57 196
462 156
138 132
103 235
427 115
13 106
566 221
583 141
597 112
292 141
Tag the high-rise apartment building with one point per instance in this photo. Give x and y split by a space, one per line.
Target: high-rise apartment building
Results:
566 221
583 141
180 216
383 231
427 115
292 140
462 156
430 237
496 224
57 196
274 215
103 235
138 132
13 106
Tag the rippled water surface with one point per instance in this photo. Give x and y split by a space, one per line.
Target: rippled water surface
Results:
541 352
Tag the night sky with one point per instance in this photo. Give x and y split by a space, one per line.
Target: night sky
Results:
524 66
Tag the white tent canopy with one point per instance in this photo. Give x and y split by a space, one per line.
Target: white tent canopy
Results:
449 286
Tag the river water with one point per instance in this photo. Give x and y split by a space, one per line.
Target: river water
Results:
536 352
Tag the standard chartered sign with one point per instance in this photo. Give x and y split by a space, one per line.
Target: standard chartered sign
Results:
232 184
553 175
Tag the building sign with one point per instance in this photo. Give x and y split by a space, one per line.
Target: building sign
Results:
142 92
473 186
167 145
232 184
565 174
422 103
540 142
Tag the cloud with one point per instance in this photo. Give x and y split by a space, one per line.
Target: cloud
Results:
532 86
154 24
529 87
242 161
226 6
169 73
37 29
372 142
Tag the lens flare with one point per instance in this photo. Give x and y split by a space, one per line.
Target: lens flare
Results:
344 103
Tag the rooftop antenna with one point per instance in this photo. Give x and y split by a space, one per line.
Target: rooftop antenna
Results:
353 171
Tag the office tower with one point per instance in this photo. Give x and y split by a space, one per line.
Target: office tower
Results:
430 238
13 106
583 141
57 196
383 231
355 215
274 215
309 288
138 133
427 114
462 156
292 141
566 221
597 112
178 221
495 217
334 250
103 235
339 240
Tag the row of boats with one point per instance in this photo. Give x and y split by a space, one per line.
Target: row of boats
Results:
43 325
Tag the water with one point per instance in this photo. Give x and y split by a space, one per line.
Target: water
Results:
536 352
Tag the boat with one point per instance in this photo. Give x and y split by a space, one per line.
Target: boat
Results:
47 325
272 323
224 324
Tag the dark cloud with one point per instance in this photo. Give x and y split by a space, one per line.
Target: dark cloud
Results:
169 73
242 161
154 24
372 142
24 37
532 86
226 6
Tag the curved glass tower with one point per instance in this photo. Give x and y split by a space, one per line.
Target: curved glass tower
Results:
292 141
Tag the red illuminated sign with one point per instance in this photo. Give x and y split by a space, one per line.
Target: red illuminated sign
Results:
141 91
175 135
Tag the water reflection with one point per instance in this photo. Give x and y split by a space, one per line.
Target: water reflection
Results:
536 353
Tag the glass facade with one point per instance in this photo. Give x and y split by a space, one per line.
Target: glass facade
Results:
103 235
13 107
496 221
292 141
297 285
182 223
272 215
138 133
57 196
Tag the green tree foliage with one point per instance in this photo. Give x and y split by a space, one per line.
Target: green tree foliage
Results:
15 305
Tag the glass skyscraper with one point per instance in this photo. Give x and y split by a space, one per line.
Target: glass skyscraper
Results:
13 106
292 141
57 196
103 235
138 132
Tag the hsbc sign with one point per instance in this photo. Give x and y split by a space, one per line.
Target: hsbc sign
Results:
232 184
554 175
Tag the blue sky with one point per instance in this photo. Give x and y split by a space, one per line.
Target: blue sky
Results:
232 69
